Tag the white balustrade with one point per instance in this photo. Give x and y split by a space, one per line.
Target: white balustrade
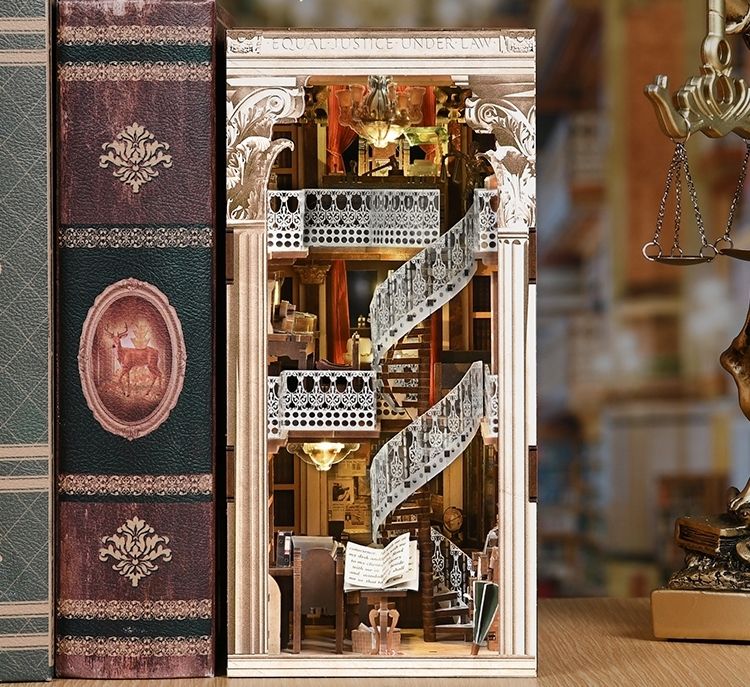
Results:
486 210
340 218
491 403
427 446
285 221
272 410
327 400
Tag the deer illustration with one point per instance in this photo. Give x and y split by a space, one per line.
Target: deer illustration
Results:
130 358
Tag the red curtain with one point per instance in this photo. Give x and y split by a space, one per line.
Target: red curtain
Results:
339 137
338 309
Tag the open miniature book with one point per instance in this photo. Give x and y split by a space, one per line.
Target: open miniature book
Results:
396 567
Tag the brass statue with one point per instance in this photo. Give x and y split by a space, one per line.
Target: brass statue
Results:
736 361
715 103
717 548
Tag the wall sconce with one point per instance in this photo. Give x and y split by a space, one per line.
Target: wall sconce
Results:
322 454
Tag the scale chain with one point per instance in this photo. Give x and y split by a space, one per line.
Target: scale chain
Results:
696 209
673 166
727 238
676 250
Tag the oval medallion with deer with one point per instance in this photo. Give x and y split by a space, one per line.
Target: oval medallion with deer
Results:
131 358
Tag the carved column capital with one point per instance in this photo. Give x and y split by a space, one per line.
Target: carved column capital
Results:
251 115
508 111
312 275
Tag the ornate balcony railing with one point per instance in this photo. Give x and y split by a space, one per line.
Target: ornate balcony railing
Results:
486 208
340 218
491 404
426 446
285 222
272 410
421 286
321 400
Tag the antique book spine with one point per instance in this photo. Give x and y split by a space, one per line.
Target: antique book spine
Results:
135 402
25 469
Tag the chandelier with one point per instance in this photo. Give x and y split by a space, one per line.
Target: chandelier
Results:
323 454
379 113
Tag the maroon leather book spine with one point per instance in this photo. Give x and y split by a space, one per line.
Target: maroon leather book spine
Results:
135 237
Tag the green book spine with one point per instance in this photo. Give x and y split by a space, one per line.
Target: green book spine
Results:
24 342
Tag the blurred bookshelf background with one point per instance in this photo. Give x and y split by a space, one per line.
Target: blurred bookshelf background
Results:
638 422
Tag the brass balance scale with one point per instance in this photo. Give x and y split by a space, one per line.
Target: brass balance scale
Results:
710 597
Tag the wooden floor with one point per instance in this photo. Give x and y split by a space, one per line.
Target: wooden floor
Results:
582 643
321 641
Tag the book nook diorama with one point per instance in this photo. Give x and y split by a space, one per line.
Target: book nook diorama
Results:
381 211
709 598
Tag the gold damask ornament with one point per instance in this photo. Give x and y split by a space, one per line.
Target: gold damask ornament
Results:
135 549
135 155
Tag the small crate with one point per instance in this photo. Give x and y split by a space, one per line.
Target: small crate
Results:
364 642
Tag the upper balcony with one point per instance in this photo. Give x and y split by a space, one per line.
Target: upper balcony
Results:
366 218
351 218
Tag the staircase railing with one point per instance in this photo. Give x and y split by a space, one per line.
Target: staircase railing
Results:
421 286
452 568
426 446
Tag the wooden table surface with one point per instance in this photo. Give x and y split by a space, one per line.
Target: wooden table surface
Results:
582 643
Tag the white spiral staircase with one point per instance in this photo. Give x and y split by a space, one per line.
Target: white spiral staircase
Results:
432 441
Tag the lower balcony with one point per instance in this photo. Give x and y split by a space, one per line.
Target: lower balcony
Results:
329 403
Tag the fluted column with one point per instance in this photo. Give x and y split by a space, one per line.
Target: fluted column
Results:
251 114
507 110
251 463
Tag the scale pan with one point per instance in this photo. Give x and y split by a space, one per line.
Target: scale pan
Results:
684 261
738 253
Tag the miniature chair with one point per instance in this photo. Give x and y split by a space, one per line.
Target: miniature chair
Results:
321 587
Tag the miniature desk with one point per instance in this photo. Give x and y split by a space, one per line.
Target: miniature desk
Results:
381 614
295 346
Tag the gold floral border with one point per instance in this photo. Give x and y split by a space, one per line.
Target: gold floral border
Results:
135 35
115 609
135 237
135 71
135 485
134 647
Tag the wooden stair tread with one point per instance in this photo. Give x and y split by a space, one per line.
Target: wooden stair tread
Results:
412 346
412 509
449 612
397 526
456 627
